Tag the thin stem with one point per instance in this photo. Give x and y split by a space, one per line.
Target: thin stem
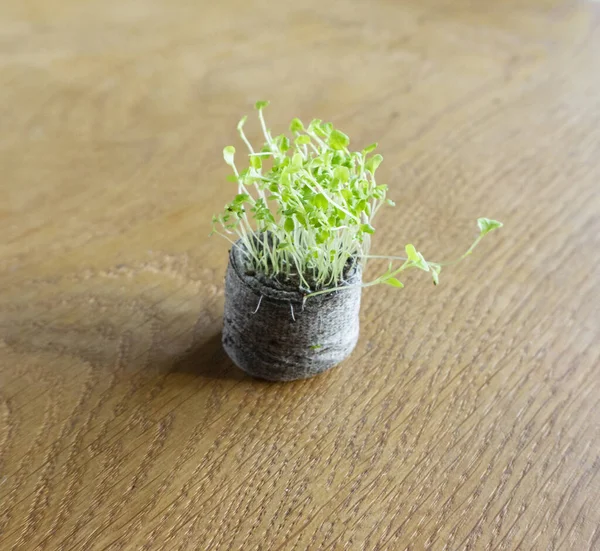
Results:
467 253
384 257
265 131
314 148
245 140
317 139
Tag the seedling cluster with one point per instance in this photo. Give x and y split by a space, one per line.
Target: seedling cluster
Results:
305 207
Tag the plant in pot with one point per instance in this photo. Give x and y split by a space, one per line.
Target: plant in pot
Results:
300 227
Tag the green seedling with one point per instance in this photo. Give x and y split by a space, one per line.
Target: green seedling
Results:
305 208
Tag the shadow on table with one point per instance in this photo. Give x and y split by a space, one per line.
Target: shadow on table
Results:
208 359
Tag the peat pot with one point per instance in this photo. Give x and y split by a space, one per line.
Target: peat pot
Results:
270 334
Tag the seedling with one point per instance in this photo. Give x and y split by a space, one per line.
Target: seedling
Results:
305 208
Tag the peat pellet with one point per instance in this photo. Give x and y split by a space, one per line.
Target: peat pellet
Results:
269 333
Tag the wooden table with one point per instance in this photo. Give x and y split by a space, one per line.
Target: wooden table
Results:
468 416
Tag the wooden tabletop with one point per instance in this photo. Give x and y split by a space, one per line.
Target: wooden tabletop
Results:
468 416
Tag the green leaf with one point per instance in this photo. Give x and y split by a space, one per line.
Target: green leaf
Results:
321 202
232 178
411 252
393 282
228 153
241 123
315 126
284 246
285 178
261 104
369 148
486 225
296 125
316 346
338 140
373 163
255 162
240 198
302 140
323 236
289 225
297 160
301 219
416 257
380 191
341 173
367 228
284 144
390 202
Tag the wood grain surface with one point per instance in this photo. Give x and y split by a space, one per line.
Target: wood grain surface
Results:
468 416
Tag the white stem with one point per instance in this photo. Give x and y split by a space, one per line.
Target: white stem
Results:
248 144
265 131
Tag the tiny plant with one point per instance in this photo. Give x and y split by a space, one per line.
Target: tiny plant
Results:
305 207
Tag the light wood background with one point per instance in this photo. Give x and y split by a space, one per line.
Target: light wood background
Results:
468 416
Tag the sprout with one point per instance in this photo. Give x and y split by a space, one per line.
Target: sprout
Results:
305 208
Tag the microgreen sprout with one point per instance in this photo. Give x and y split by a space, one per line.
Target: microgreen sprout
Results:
305 207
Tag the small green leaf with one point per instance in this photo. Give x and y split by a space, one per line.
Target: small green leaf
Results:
338 140
284 246
303 140
316 346
289 225
341 173
297 160
373 163
296 125
255 162
321 202
241 123
301 219
228 154
367 228
232 178
393 282
416 258
390 202
323 236
315 126
486 225
284 144
422 264
261 104
380 191
411 252
369 148
240 198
